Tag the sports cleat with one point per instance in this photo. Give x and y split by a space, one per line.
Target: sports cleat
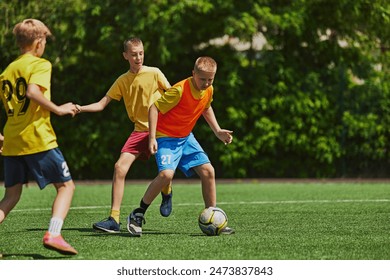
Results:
107 225
166 204
227 230
134 223
58 244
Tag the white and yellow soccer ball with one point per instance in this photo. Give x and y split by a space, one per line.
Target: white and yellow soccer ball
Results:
212 220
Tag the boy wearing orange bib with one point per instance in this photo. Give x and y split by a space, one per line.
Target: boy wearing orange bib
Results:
171 120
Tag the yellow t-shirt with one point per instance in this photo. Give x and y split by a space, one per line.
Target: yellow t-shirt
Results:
28 129
139 91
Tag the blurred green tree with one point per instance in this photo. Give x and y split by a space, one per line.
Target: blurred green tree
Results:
304 84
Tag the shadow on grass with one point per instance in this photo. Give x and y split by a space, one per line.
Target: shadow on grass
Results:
123 232
32 256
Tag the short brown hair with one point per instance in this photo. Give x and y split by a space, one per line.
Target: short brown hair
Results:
28 31
131 41
206 64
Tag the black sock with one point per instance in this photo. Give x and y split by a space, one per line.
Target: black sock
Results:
143 207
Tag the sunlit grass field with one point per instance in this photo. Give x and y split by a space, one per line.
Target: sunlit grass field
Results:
273 221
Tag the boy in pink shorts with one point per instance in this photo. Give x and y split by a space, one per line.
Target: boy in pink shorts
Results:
139 88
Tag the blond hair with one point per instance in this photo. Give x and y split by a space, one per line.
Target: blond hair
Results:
206 64
134 41
28 31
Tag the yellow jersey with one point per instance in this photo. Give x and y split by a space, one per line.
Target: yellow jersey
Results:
139 91
28 129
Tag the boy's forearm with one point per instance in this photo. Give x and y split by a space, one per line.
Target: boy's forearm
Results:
153 116
33 93
95 107
210 118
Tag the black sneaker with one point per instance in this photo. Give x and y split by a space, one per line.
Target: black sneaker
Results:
134 223
166 204
107 225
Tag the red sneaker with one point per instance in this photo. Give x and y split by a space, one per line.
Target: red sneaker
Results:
58 244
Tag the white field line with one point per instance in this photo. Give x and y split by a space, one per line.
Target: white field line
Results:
230 203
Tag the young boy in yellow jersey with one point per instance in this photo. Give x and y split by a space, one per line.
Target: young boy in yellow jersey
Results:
171 120
30 144
139 88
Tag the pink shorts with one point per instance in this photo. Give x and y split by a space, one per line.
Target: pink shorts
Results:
138 144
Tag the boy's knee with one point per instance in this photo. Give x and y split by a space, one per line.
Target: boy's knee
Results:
120 169
68 186
166 175
207 170
13 194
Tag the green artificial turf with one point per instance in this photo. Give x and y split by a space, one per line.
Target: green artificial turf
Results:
273 221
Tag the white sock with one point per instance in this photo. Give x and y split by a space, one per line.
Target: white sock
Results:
55 226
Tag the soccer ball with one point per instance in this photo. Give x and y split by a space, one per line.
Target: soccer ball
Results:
212 220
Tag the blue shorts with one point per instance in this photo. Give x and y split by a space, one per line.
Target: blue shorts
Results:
184 153
45 167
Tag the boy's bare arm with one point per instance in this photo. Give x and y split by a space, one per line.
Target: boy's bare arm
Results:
153 116
35 93
94 107
223 134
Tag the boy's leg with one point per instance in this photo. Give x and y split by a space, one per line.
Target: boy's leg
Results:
167 189
166 200
63 199
207 176
121 168
16 174
53 165
10 199
167 147
163 179
136 217
198 160
53 239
